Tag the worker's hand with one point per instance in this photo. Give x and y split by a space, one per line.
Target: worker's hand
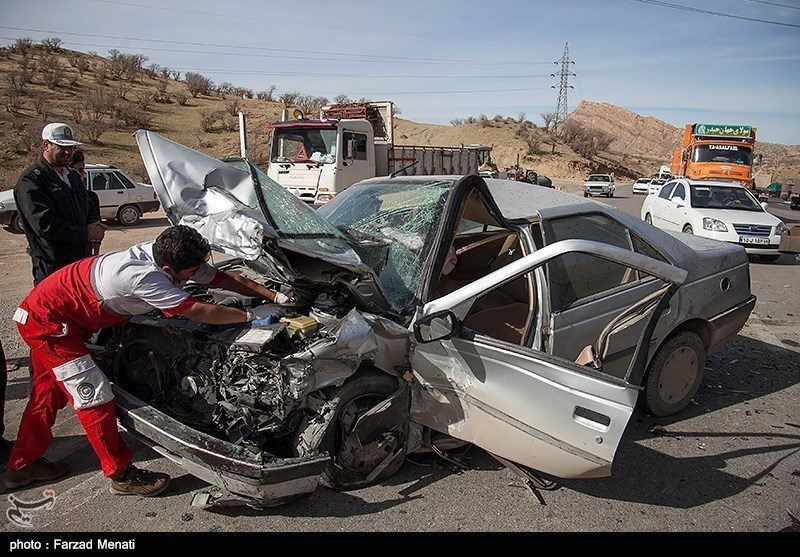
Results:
96 231
282 299
263 311
262 321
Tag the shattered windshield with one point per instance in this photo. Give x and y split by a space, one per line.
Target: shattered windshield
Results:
303 145
393 224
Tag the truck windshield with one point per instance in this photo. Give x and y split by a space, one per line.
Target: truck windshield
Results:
303 145
599 178
732 154
723 197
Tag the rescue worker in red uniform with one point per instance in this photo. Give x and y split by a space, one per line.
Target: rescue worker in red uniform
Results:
66 308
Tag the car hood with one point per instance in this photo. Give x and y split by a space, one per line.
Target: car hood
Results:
7 197
737 216
226 205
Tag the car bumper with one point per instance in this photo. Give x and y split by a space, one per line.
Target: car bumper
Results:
729 322
149 206
598 191
770 248
640 190
264 481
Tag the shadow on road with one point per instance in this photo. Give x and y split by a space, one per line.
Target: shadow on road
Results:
741 372
154 222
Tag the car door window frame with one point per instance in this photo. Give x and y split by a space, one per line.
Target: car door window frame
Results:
556 305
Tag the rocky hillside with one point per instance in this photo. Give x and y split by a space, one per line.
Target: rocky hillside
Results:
645 138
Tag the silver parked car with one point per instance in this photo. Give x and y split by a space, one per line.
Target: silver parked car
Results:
120 198
432 311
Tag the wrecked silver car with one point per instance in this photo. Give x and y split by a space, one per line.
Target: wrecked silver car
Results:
520 319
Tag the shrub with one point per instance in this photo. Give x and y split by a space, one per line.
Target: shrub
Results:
52 44
182 98
457 122
41 106
94 128
483 121
22 46
207 121
233 106
198 84
288 99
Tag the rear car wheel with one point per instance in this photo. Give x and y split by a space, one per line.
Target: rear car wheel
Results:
674 374
365 450
16 224
648 219
128 215
688 229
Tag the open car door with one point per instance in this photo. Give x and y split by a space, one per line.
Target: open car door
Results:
550 414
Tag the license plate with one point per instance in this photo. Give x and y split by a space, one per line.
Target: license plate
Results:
752 240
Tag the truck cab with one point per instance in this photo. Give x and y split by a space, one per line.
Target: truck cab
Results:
716 152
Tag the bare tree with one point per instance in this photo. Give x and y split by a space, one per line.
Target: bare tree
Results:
342 99
267 94
550 119
457 122
198 84
22 45
52 44
521 117
288 99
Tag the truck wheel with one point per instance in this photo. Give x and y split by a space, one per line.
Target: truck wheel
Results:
16 224
128 215
356 454
688 229
674 374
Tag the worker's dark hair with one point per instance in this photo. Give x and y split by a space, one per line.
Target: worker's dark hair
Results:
180 247
77 156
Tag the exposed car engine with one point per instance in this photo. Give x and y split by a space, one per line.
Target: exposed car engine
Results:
247 386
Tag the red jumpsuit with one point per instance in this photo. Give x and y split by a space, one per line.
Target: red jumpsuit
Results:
55 321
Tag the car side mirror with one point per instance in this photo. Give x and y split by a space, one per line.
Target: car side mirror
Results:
442 325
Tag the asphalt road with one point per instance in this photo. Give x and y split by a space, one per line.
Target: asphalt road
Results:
730 462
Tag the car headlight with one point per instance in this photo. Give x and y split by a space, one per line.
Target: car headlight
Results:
714 224
780 229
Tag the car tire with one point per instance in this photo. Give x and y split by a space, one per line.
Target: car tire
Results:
16 224
648 219
347 468
128 215
770 258
688 229
585 195
611 194
674 374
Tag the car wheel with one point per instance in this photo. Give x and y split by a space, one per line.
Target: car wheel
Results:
360 447
585 195
688 229
611 194
16 224
128 215
648 219
769 257
674 374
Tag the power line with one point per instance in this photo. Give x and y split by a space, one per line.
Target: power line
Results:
775 4
381 57
283 73
283 21
709 12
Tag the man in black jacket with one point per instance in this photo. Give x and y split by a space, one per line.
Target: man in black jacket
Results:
53 205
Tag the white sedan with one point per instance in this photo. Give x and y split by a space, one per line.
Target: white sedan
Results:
655 186
718 210
642 185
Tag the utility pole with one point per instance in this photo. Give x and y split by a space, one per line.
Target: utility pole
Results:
564 75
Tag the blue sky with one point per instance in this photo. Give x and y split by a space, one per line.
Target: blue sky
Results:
444 59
